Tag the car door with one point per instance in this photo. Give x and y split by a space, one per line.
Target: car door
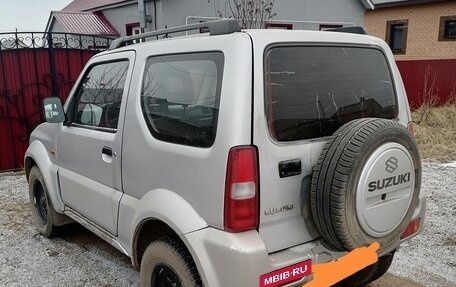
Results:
89 142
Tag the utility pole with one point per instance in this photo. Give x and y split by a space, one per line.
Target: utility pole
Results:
143 17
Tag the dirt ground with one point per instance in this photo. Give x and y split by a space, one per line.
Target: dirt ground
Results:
435 132
79 258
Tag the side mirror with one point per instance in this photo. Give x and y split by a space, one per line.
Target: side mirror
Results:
53 110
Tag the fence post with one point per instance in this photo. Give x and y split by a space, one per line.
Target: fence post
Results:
55 87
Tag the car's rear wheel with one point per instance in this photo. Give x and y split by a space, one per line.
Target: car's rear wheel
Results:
167 263
365 185
370 273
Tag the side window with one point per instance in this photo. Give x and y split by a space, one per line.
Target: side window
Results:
396 35
98 99
447 29
180 97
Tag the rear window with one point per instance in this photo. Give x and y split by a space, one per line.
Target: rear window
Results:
311 91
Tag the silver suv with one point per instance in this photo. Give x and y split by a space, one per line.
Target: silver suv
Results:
233 158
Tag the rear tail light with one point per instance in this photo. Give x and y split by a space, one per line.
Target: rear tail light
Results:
411 128
412 228
241 190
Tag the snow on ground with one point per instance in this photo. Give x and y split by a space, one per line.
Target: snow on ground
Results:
449 164
430 258
79 258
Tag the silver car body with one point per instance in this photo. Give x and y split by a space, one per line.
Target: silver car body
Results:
183 186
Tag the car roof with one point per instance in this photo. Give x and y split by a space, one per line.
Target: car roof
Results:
263 37
310 36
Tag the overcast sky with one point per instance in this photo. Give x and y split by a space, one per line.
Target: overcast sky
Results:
27 15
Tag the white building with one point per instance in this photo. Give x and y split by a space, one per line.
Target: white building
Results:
123 15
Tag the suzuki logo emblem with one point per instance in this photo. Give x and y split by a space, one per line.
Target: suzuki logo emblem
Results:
391 164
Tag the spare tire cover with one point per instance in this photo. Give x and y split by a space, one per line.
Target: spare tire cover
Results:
365 185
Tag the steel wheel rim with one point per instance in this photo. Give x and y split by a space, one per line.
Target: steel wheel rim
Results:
164 276
40 200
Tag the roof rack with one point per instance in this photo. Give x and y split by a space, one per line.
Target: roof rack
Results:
216 27
353 30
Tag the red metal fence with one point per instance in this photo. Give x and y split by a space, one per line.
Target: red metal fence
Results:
429 80
32 68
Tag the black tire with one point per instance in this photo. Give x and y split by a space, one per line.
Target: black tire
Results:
370 273
383 265
40 203
168 261
336 176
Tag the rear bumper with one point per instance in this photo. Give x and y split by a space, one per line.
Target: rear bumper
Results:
239 259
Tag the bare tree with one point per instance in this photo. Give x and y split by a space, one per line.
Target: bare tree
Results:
252 14
430 97
452 97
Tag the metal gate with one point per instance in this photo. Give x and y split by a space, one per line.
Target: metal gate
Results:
33 66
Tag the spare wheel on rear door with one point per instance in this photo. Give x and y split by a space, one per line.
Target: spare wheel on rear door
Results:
365 185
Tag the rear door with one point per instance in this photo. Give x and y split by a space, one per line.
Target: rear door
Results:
89 145
306 92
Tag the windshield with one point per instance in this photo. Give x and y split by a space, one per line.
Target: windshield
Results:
313 90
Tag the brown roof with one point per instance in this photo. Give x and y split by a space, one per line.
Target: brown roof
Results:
394 3
85 5
86 23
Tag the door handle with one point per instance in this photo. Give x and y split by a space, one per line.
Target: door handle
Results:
107 150
107 154
290 168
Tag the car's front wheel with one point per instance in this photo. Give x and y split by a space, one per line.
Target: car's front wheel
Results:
40 203
167 263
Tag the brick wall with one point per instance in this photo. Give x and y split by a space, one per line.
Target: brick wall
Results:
423 29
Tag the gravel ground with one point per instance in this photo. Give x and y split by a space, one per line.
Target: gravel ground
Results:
430 258
79 258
